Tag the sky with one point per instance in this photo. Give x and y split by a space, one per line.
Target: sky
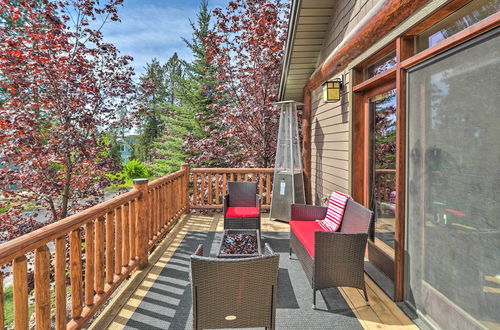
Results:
154 28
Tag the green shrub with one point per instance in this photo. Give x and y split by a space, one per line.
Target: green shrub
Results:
134 169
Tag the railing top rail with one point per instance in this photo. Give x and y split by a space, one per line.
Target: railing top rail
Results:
232 170
385 171
165 179
31 241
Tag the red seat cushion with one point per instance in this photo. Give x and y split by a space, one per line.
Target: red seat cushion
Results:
242 212
304 231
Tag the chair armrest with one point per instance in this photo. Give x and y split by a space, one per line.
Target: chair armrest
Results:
339 248
302 212
339 259
268 250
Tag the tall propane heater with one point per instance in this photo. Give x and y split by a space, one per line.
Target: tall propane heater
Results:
288 186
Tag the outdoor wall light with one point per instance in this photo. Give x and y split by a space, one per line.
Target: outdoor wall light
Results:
331 90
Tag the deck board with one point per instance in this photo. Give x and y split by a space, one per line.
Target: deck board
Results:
381 313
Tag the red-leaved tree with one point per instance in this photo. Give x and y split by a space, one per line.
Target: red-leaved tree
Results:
247 48
61 87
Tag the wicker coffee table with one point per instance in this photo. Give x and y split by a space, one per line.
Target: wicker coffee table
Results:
239 243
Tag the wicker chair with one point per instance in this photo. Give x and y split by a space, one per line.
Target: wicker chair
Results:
234 293
338 256
242 206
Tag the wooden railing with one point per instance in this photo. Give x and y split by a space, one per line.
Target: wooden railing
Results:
386 184
209 185
105 242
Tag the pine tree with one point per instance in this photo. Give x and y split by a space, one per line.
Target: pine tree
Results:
151 124
189 129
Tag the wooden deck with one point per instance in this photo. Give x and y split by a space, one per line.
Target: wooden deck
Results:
381 313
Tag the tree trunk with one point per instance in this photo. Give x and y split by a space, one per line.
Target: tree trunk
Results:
65 194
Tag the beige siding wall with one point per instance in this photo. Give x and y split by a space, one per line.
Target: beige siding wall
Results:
330 121
346 15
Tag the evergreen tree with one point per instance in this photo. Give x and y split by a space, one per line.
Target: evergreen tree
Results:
188 129
151 124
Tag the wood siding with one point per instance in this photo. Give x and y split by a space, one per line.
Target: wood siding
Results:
330 128
347 14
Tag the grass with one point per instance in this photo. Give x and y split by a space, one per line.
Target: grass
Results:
27 207
8 305
8 295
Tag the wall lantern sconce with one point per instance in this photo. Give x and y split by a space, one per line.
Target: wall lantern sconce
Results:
331 90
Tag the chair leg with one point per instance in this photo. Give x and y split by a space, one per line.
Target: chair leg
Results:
290 253
314 299
366 295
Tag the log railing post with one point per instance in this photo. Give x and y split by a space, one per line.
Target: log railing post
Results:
20 269
141 232
42 288
75 273
2 315
185 168
60 282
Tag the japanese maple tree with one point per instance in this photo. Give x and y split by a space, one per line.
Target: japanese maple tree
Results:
247 47
62 87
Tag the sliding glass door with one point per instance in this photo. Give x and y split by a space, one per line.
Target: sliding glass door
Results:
453 186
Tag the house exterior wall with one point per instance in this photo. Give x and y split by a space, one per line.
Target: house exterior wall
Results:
330 131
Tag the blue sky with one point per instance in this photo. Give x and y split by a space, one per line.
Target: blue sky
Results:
153 28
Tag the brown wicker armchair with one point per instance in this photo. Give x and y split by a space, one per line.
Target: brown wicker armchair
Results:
242 206
234 293
338 257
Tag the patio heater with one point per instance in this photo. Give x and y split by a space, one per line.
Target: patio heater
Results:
288 186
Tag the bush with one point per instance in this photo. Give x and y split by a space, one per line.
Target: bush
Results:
134 169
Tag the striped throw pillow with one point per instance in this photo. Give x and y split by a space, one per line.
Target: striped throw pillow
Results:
335 212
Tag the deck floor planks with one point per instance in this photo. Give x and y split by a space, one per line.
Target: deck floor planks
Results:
365 314
402 320
381 313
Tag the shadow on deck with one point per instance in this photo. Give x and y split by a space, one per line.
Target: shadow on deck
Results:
159 297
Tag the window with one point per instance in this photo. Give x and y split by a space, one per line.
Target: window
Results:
467 16
387 62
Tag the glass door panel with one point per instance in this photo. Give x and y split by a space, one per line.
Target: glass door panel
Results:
382 108
453 198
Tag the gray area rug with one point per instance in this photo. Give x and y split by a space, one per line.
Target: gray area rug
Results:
167 305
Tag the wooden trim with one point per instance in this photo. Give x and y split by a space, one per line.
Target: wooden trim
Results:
437 16
404 50
479 28
381 259
382 78
306 145
358 138
391 14
379 89
377 56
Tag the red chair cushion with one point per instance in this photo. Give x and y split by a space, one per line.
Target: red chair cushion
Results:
304 231
242 212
